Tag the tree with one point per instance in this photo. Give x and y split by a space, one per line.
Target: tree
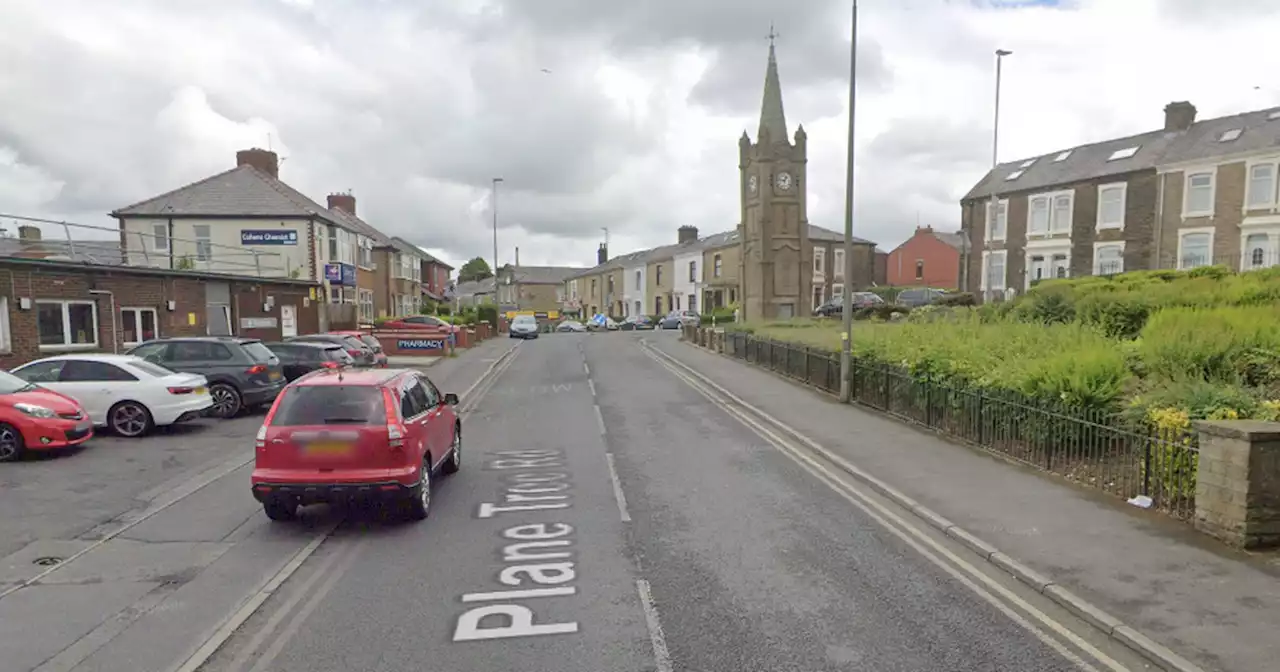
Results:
476 269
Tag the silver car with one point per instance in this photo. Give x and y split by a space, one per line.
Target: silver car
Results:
524 326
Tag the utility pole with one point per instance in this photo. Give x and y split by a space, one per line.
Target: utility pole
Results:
493 202
993 208
846 307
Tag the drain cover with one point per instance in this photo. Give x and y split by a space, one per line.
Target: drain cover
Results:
47 561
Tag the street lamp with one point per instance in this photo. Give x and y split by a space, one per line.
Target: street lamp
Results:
994 205
493 201
846 308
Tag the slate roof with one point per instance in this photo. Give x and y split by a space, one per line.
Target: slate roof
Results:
543 275
243 191
1260 129
954 239
99 252
406 246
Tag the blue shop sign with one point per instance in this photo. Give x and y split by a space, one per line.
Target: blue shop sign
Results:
342 275
268 237
420 344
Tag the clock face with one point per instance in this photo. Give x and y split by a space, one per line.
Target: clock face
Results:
784 181
752 184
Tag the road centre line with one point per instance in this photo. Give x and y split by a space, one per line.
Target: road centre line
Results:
591 384
907 531
599 418
661 655
617 489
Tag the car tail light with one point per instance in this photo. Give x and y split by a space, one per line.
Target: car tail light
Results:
395 431
260 441
353 352
256 368
181 390
331 365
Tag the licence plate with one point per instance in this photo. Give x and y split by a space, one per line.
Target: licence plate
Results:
200 390
275 375
328 448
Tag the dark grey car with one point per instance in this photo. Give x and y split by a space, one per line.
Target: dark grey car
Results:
242 372
361 353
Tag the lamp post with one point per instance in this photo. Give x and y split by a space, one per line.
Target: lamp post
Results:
494 203
846 307
994 205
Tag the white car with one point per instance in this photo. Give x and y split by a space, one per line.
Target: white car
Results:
127 394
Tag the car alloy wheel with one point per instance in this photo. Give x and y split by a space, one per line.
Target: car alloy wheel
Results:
226 402
11 443
419 504
129 419
454 462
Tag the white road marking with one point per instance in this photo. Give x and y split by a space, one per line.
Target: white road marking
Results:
907 531
599 418
617 489
591 384
586 367
660 653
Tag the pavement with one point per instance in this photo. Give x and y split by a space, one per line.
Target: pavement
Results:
1216 607
610 514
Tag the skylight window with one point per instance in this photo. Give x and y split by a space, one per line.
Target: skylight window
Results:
1126 153
1015 175
1229 135
1027 164
1275 114
1062 157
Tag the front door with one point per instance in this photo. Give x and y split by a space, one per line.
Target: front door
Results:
288 320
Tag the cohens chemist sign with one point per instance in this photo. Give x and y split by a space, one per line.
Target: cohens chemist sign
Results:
268 237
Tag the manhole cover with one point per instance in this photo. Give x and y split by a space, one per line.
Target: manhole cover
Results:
47 561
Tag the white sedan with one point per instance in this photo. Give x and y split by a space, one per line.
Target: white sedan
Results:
126 394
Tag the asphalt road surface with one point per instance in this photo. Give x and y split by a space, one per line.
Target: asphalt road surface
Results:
608 517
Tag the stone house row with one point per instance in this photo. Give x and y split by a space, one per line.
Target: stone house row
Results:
1192 193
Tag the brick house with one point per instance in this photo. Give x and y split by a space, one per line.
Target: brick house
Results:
828 264
1170 198
435 277
927 259
55 307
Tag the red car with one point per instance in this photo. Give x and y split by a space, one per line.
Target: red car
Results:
35 418
363 435
379 357
420 322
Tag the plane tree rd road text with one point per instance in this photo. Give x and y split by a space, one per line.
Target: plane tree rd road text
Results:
537 556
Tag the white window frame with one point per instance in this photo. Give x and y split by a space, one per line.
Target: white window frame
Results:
1272 201
160 232
1053 211
365 297
718 265
1123 188
137 321
1048 214
837 263
693 271
819 261
1002 218
986 267
837 290
1183 233
66 324
6 337
364 252
204 243
818 292
1187 212
1048 249
1098 247
1268 226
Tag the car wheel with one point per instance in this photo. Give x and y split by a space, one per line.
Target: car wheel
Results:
226 400
130 419
419 504
454 463
11 444
280 509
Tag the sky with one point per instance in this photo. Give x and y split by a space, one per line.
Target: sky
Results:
597 114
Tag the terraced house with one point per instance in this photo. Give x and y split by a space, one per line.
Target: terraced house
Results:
1189 194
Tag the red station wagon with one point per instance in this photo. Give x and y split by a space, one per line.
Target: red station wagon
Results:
367 435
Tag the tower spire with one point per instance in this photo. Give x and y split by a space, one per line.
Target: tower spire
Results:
772 119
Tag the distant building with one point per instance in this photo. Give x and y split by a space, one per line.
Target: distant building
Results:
927 259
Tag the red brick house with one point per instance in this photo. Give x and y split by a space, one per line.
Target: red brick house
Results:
926 259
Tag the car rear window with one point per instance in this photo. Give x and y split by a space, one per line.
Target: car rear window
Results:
330 405
370 341
259 352
354 342
335 354
151 369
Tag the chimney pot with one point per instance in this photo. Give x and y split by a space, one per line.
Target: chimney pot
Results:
343 202
264 160
686 234
1179 116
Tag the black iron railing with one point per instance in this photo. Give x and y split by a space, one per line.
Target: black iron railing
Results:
1088 446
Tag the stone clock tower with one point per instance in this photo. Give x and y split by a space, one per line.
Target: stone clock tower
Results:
774 226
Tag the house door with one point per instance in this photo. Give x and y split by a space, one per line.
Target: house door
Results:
288 320
217 299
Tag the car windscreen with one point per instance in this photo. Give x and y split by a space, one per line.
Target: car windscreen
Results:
525 319
10 383
330 405
259 352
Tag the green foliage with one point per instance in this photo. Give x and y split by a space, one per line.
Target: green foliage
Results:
487 313
475 269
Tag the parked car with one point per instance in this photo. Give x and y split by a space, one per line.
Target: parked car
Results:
690 318
361 354
420 322
860 300
300 358
636 323
379 357
915 298
242 372
571 326
361 435
609 325
37 418
524 326
670 321
125 393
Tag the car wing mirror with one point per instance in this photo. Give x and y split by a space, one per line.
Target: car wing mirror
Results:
450 398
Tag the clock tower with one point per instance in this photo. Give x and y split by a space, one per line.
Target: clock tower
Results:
774 224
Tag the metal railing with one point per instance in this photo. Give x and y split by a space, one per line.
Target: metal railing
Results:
136 248
1090 447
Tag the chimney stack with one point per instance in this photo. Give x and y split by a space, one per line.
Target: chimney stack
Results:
1179 116
29 242
343 202
28 232
264 160
602 254
686 234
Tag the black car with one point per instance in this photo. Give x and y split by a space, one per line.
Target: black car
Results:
300 357
836 306
636 323
242 372
361 353
914 298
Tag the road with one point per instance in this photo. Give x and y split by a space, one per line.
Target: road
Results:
609 516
